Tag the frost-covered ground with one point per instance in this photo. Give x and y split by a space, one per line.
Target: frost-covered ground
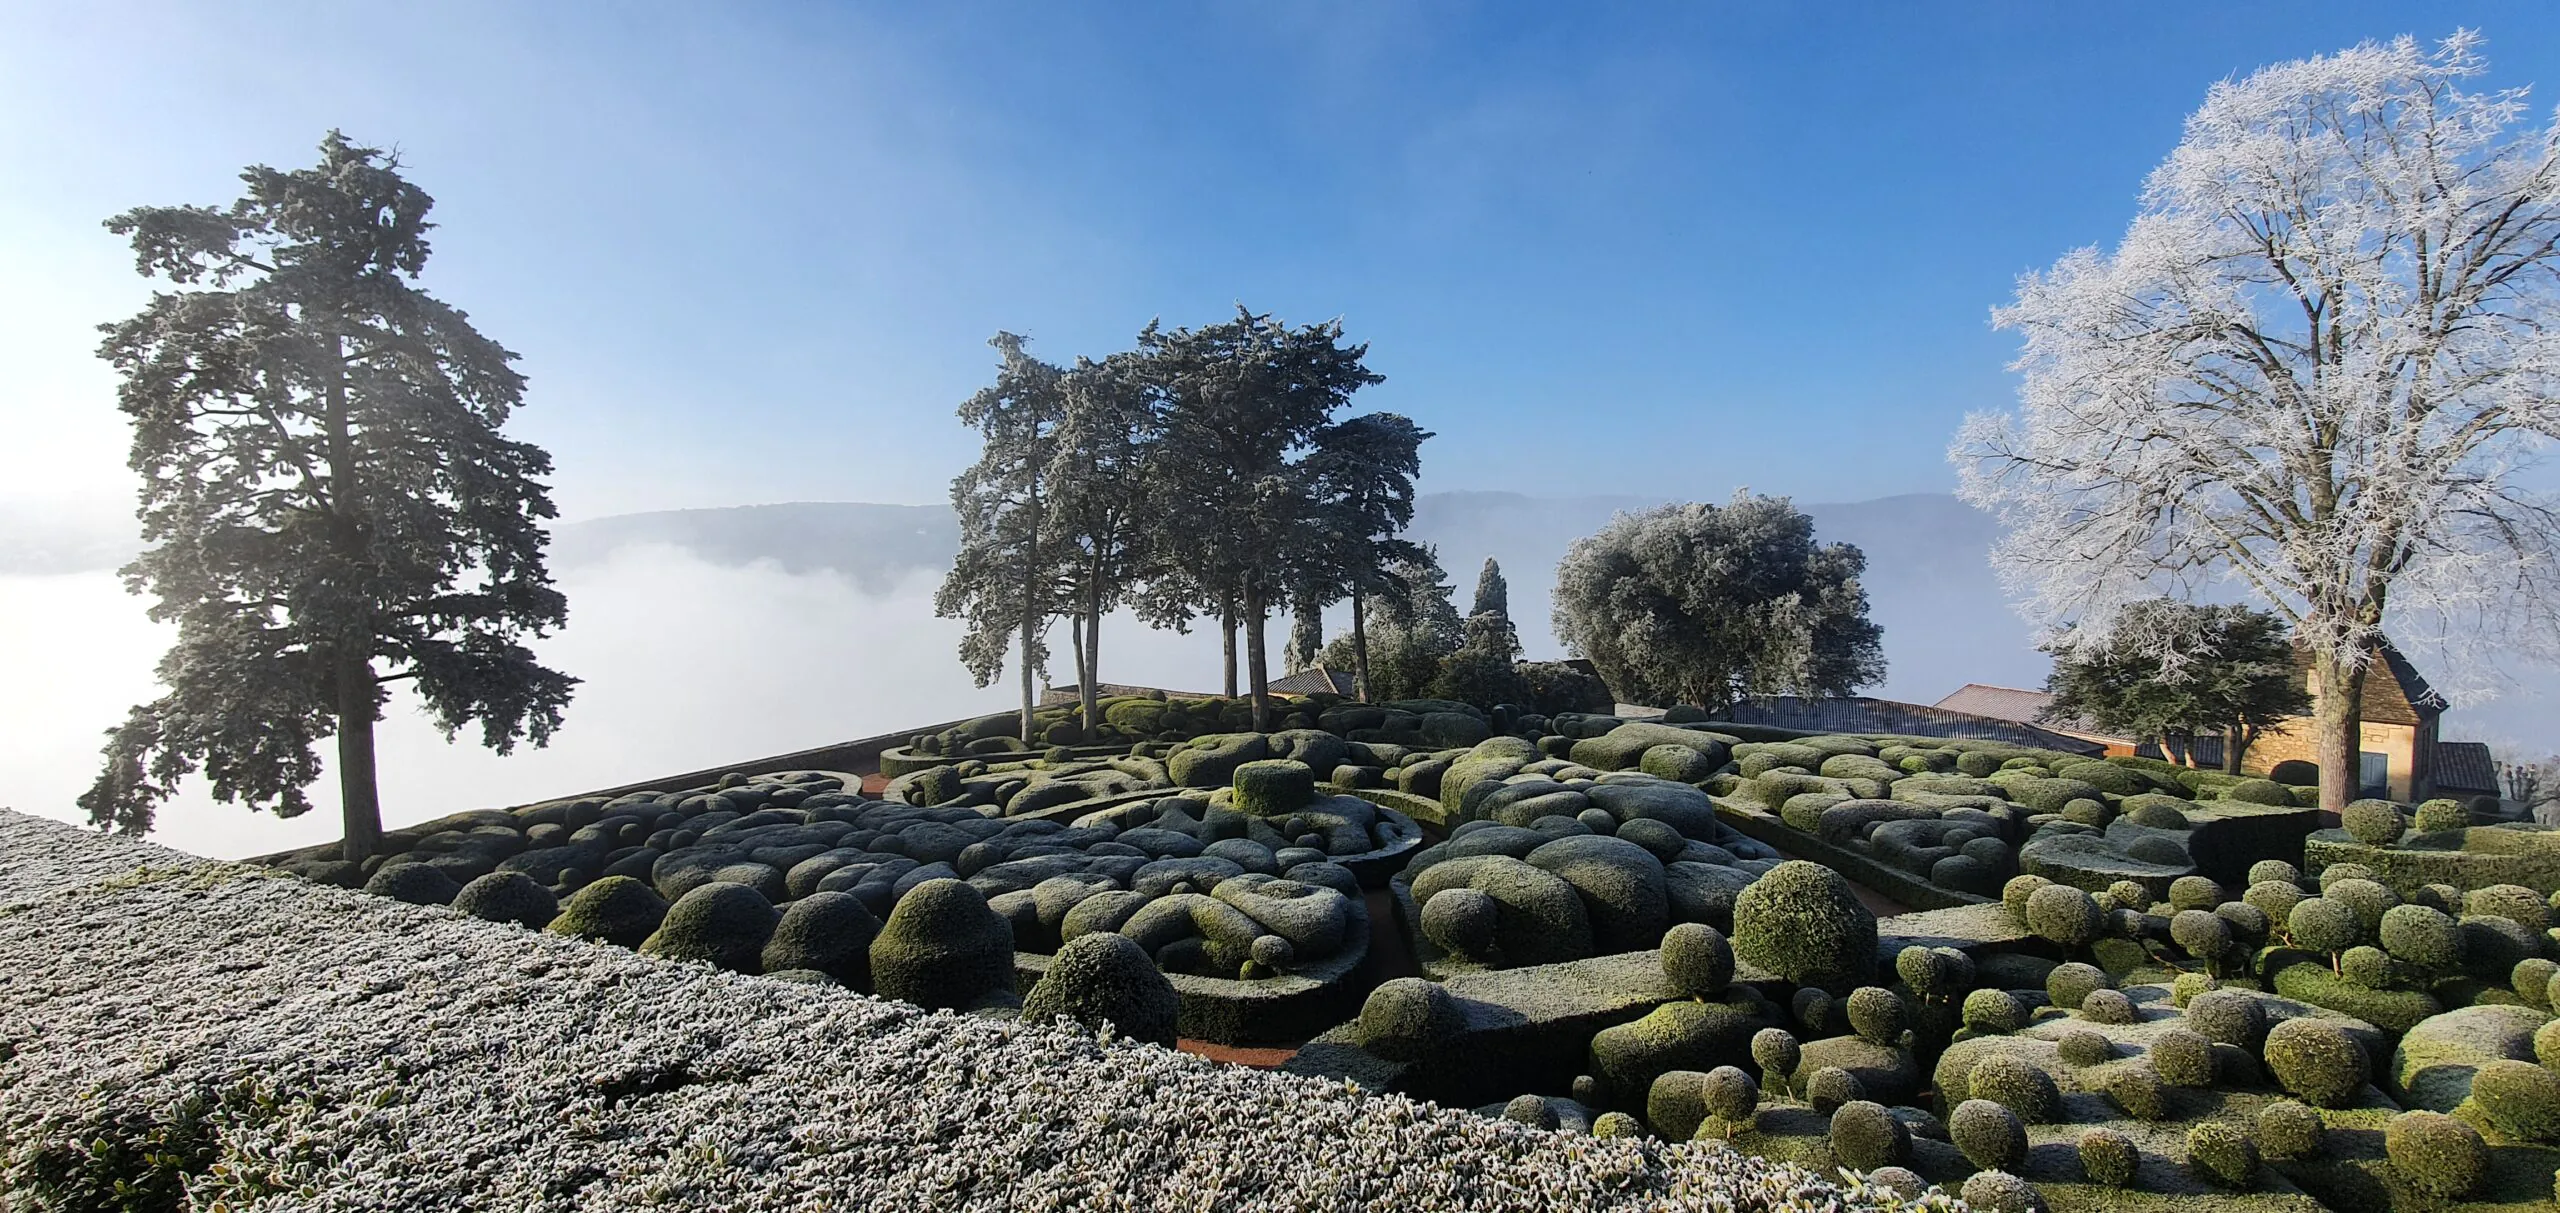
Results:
357 1053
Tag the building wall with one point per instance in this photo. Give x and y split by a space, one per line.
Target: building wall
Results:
2399 743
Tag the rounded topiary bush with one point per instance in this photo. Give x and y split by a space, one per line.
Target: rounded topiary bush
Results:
1865 1136
2437 816
2231 1017
1696 957
1989 1135
2184 988
2001 1192
2437 1154
417 883
2108 1156
2275 870
1777 1054
1830 1087
2194 893
2016 1084
2375 823
2521 1098
942 947
2184 1058
2015 893
2317 1061
2221 1152
2124 894
1406 1018
1877 1015
2260 791
2070 984
2108 1006
2138 1090
1804 923
1272 787
1731 1096
1901 1181
1531 1110
2082 1047
1932 973
508 897
2367 966
1106 978
2204 934
2290 1130
1815 1010
1616 1124
2369 899
2546 1043
2274 898
830 932
617 910
2427 938
1994 1011
2064 915
2513 902
727 925
2324 926
1464 922
2530 979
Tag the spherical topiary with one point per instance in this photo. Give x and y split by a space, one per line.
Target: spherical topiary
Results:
2001 1192
2249 924
2203 934
2069 984
2108 1006
2138 1090
1804 923
2343 871
2184 1058
1816 1011
2064 915
2185 986
2427 938
2260 791
2194 893
2290 1130
417 883
2369 899
1616 1124
2016 1084
1989 1135
2530 979
1930 973
2108 1156
1588 1092
2275 870
2322 925
2436 816
1407 1017
1731 1095
943 947
2157 814
1105 977
2317 1061
508 897
1531 1110
2436 1153
2231 1017
2082 1047
2438 896
1830 1087
728 924
2088 812
1776 1052
2220 1151
2521 1098
617 909
1996 1011
2375 823
2014 895
1864 1136
1901 1181
2130 894
830 933
1463 922
1877 1015
1696 957
2368 967
2274 898
2546 1043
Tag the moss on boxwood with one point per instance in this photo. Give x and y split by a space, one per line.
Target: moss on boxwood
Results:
2108 1156
1102 978
2290 1130
1865 1135
508 897
2015 893
1406 1018
2184 1058
1804 923
2220 1151
2521 1098
2437 1154
1877 1015
1989 1135
1995 1011
942 947
2317 1061
727 925
2017 1084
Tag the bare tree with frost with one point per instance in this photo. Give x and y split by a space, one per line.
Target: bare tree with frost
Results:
2316 364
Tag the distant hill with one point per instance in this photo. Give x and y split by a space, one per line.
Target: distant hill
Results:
1928 580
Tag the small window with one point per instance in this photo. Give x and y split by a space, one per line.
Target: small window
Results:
2373 774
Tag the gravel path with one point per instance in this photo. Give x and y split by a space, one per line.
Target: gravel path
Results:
349 1052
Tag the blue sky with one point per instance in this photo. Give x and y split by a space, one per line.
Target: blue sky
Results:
752 253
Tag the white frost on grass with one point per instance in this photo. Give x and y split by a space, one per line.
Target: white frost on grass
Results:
416 1058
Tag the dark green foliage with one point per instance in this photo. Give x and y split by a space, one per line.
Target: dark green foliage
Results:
508 897
2324 926
2436 1153
1776 1052
2139 1091
2082 1047
2275 870
1865 1136
2108 1006
1531 1110
2375 823
1802 922
1731 1096
1464 923
2000 1192
1996 1011
1989 1135
2274 898
2236 679
1831 1088
722 923
125 1160
2437 816
1273 787
943 947
1555 687
2016 1084
324 487
2521 1098
1616 1124
2515 903
2204 934
1406 1018
2192 893
2184 1058
2370 900
617 909
2290 1130
1106 977
829 932
2064 915
2015 894
2223 1152
2108 1156
1698 960
2260 791
418 884
2295 773
2367 966
2070 983
2317 1061
1877 1015
1702 604
2232 1017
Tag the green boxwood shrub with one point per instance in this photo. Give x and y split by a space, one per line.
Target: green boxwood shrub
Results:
1993 1011
2069 984
2437 1154
1830 1088
1877 1015
2324 926
1777 1054
1406 1018
2521 1098
727 925
1865 1136
2375 823
508 897
2260 791
1273 787
2064 915
2184 1058
2317 1061
1990 1136
2138 1090
2017 1084
2220 1151
1696 957
2276 870
1107 978
829 932
2439 816
943 947
2290 1130
2421 936
1804 923
2001 1192
2231 1017
2108 1156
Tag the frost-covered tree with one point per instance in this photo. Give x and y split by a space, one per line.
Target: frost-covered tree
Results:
329 502
2235 676
1005 581
2315 363
1098 522
1705 605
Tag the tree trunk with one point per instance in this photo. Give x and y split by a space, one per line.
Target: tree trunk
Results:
1227 628
1027 698
359 797
1359 645
1257 661
1075 633
1089 643
2340 722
